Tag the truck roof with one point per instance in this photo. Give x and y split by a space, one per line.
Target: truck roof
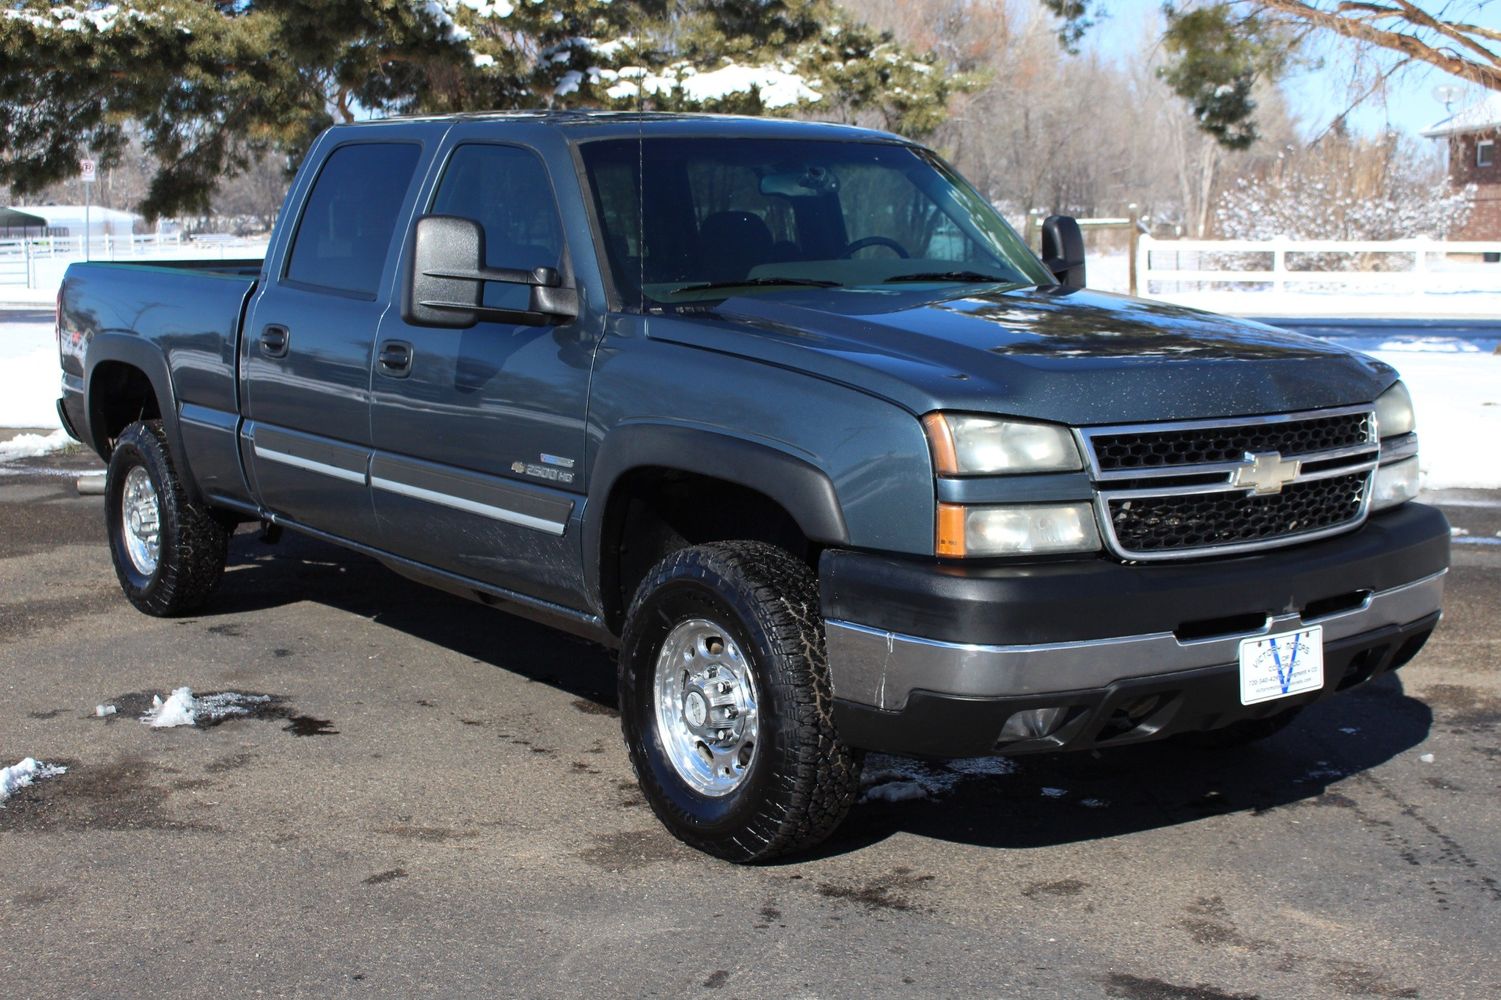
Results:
591 124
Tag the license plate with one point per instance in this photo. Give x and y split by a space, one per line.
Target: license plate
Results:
1278 666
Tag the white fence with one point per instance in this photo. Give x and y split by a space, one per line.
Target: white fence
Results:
1414 267
39 262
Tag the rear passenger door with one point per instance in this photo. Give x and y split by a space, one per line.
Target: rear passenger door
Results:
309 335
479 434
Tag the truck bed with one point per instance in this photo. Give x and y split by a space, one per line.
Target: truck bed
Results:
182 315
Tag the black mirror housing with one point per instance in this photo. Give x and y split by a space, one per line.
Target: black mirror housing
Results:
445 286
1063 250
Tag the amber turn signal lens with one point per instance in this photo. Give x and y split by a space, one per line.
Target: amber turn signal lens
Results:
950 537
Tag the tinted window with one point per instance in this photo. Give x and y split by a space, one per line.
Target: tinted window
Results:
350 215
505 189
681 212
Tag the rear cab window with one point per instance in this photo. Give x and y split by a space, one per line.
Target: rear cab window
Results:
344 234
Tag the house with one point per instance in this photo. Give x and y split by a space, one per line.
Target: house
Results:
68 220
1474 138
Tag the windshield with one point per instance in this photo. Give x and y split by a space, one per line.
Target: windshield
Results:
718 217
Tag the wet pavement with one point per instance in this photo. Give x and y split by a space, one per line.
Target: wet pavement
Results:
454 816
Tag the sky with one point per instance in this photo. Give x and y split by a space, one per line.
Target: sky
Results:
1319 95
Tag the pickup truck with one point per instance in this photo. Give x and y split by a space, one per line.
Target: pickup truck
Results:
789 416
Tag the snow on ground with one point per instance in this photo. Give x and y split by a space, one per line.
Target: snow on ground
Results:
1457 395
32 445
29 376
899 779
1472 292
28 771
182 708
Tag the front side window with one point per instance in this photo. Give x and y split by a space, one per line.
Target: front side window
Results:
505 189
345 231
684 219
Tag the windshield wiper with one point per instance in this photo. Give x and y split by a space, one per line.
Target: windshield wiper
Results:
705 286
967 276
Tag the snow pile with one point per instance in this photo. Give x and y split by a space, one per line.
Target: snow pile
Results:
18 776
183 709
900 779
32 445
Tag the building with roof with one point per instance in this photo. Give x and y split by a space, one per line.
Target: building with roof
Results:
68 220
1474 135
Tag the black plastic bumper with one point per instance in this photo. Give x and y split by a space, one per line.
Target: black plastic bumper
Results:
1130 711
1076 599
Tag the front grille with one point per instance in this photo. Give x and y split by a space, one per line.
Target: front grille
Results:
1172 491
1149 449
1201 520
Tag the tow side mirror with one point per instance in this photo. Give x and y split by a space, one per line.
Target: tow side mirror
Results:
1063 250
446 283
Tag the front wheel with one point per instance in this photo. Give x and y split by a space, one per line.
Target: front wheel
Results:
169 553
725 703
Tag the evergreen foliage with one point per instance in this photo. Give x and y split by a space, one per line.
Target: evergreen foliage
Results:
211 85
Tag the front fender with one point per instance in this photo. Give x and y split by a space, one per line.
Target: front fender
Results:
801 488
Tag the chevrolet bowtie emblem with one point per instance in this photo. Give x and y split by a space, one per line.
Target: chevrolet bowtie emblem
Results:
1266 472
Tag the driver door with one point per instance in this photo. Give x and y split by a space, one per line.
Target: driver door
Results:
478 433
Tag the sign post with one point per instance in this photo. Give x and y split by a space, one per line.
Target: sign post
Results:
86 170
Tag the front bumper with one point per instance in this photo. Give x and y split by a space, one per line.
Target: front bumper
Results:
933 658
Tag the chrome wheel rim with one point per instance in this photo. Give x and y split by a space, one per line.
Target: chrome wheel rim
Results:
140 521
706 707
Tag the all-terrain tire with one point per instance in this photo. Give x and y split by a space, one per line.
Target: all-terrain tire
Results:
801 779
193 545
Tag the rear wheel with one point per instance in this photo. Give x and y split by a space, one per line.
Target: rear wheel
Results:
725 702
169 553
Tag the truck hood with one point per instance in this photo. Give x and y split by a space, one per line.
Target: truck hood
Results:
1072 356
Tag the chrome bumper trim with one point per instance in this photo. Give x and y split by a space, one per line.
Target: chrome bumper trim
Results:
875 667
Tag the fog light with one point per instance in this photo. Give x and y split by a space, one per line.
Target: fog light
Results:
1031 724
1395 483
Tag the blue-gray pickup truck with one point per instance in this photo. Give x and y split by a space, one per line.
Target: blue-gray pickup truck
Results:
787 414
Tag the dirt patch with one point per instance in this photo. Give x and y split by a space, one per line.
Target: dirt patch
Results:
631 849
1129 987
306 725
892 891
232 762
429 834
1062 887
54 613
381 878
1461 707
595 708
119 796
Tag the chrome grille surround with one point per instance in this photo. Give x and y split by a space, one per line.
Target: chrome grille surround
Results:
1179 484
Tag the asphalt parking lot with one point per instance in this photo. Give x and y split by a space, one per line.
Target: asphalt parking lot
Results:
437 802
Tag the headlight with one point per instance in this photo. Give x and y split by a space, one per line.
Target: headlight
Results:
1395 483
1030 529
1394 414
967 445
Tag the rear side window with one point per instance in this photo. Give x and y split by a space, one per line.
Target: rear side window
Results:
346 226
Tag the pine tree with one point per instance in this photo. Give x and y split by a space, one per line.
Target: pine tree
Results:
211 85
